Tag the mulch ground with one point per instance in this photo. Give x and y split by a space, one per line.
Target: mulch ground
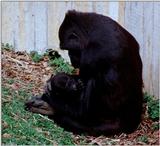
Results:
19 66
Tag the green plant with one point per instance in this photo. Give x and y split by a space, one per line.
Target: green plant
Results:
52 54
11 81
35 56
153 106
6 46
61 66
143 138
155 126
56 61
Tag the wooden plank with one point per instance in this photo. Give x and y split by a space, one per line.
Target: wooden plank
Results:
7 22
82 6
121 13
29 25
156 50
127 15
133 22
19 18
113 10
52 25
55 18
147 57
40 26
140 21
101 7
1 24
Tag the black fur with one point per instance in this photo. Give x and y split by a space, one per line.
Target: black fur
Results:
106 96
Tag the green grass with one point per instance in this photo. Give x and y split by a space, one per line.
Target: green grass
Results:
27 128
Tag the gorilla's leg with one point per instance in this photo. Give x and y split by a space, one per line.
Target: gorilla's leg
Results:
105 127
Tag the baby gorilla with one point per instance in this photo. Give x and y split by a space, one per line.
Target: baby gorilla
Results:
56 90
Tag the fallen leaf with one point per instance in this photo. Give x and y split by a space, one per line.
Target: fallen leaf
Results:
4 124
15 86
6 135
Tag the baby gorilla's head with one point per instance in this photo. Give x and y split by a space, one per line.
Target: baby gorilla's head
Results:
60 83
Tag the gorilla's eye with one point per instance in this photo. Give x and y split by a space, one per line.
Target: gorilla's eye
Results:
73 36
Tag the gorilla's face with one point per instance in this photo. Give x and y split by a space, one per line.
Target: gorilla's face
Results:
70 40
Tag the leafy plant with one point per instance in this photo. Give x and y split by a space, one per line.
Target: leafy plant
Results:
153 106
52 54
61 66
7 46
35 56
155 126
143 138
55 60
59 63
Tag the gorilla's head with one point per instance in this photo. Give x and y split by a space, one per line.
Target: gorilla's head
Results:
73 37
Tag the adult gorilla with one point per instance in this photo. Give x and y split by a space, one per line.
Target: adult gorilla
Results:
106 96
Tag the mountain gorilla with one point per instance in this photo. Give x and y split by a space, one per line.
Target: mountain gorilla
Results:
106 96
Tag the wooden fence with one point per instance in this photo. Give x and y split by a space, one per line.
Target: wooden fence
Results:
34 26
